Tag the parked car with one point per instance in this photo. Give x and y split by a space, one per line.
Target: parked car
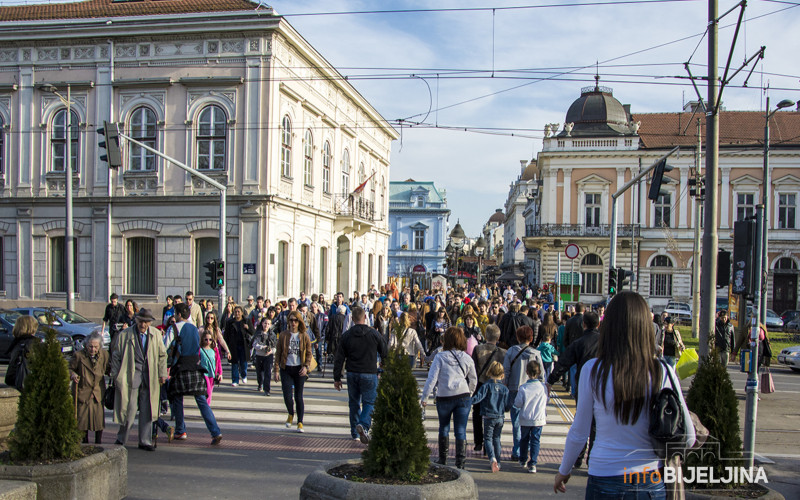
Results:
790 356
789 315
774 322
69 322
680 312
7 320
792 325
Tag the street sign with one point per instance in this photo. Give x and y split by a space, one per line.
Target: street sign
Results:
249 268
572 251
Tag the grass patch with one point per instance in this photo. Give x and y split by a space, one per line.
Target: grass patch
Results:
778 340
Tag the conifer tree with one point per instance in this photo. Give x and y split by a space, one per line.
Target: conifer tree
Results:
46 425
713 399
399 446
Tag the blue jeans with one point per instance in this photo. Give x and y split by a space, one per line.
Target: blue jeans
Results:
362 389
625 487
671 360
458 409
492 427
573 384
548 367
239 368
205 411
530 440
515 430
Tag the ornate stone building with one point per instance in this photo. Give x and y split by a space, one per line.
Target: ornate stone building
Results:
225 86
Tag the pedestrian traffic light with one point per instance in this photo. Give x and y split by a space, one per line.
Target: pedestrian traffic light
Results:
658 177
219 274
623 278
744 237
211 273
110 142
612 281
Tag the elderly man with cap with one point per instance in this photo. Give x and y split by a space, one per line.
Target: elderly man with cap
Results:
138 368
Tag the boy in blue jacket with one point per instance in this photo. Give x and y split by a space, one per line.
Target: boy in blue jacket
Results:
493 397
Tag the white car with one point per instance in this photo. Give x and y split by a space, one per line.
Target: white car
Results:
680 312
790 356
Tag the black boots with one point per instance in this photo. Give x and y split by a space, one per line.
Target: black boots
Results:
461 453
444 448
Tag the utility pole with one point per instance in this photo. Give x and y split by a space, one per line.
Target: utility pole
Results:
696 260
710 210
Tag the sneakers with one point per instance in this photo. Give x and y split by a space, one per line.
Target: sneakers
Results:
356 438
532 469
171 433
215 440
181 437
495 466
362 434
522 463
300 427
244 381
289 421
234 384
259 388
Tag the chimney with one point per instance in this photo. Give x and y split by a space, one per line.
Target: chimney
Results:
523 164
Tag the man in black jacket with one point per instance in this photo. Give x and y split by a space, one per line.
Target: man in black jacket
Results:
573 329
578 352
359 348
511 321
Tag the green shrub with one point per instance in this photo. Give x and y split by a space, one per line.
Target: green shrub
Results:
713 399
399 446
46 426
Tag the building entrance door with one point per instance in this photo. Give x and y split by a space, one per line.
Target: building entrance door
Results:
784 292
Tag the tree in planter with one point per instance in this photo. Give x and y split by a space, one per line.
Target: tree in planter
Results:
399 446
713 399
46 426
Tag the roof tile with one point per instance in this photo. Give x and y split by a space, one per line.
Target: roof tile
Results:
108 8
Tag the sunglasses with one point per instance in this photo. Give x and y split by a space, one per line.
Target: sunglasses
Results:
293 320
207 339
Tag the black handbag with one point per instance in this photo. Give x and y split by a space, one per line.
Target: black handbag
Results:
667 425
108 397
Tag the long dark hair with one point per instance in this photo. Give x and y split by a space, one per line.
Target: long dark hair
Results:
625 351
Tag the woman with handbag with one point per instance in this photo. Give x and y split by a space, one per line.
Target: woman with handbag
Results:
87 370
238 334
293 359
616 390
264 343
453 374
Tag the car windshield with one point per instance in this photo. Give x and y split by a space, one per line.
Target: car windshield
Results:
772 314
70 316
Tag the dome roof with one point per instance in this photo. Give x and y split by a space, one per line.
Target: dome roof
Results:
530 171
597 113
498 217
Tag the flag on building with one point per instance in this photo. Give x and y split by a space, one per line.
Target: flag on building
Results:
363 184
517 244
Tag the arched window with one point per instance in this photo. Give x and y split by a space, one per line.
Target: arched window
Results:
383 202
326 167
308 161
212 139
143 128
591 274
346 172
2 154
372 189
59 140
786 263
283 268
661 277
286 147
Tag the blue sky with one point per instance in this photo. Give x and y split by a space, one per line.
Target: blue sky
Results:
504 74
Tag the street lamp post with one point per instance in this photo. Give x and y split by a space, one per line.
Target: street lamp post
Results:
457 240
69 236
480 247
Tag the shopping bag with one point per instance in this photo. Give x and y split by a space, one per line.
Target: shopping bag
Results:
767 385
687 364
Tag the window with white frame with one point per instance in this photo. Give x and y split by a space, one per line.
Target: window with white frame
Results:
308 159
362 176
419 239
663 211
323 270
591 274
141 275
143 128
58 140
787 208
383 196
212 139
372 189
419 201
745 205
326 167
286 147
346 172
283 267
661 277
305 261
58 264
592 206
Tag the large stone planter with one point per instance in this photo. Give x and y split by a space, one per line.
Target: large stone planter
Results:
319 485
9 400
100 476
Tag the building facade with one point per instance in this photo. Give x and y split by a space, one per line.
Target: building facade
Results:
227 87
517 264
419 225
603 145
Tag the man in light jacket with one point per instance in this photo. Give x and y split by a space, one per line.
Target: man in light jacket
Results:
514 363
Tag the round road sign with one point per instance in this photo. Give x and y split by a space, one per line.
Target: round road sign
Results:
572 251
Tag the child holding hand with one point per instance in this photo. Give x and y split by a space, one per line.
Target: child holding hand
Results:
493 398
532 404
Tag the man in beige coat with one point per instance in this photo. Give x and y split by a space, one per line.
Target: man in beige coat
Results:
138 360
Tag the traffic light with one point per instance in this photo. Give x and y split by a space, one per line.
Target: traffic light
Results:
110 142
658 177
723 268
744 237
612 281
219 274
623 278
211 273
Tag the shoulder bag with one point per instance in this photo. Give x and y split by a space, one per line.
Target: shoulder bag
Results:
184 382
488 362
667 424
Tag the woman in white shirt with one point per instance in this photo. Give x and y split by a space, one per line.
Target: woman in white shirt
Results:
616 389
453 374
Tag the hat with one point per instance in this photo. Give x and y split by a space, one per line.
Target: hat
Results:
144 315
250 297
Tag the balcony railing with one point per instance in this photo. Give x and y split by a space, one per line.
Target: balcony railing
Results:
354 206
580 230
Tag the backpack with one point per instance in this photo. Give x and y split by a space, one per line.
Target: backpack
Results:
667 424
20 369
